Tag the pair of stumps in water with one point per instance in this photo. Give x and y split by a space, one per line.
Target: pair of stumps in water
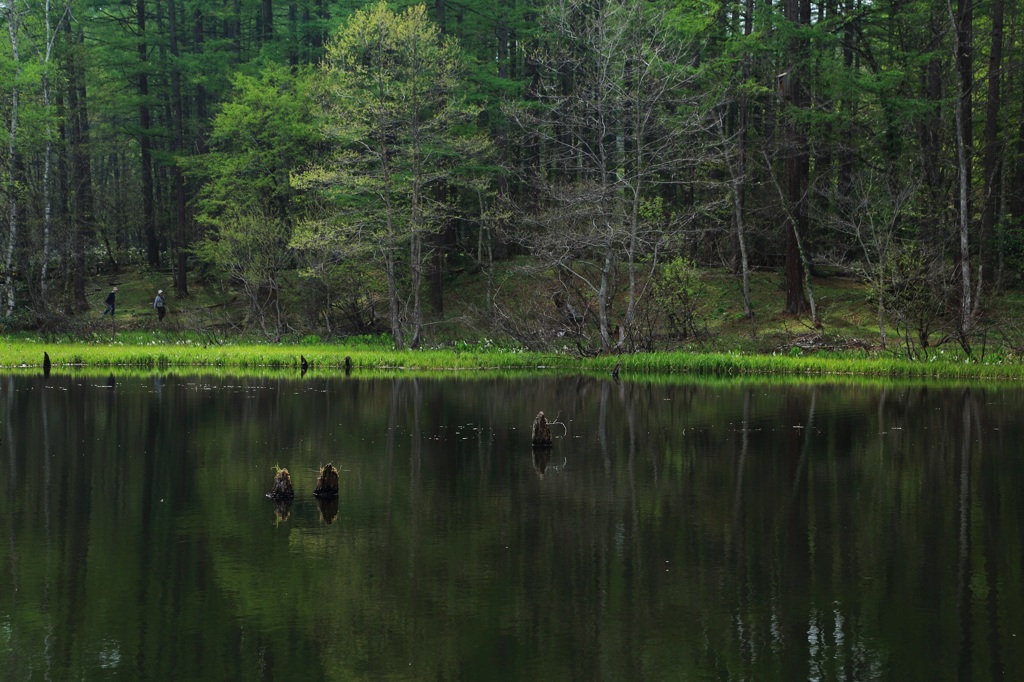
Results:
326 484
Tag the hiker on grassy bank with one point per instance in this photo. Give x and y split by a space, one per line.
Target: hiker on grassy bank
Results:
158 305
111 298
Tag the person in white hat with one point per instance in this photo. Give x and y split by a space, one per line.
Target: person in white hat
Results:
158 305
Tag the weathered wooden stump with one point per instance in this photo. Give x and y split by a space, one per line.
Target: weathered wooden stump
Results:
541 432
327 484
282 489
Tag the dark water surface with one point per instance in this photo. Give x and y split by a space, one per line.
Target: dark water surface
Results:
715 531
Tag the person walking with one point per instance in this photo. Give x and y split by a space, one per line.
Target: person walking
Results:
111 298
159 306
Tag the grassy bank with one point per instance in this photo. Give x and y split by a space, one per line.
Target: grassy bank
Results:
516 308
191 354
482 330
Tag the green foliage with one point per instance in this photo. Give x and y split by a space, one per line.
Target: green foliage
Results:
252 249
392 105
681 294
376 138
392 100
915 290
1011 238
259 138
341 292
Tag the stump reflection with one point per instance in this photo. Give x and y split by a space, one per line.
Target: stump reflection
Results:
541 459
283 509
328 509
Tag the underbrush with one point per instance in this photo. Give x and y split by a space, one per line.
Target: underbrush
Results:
527 317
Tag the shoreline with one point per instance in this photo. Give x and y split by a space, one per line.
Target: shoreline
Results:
20 355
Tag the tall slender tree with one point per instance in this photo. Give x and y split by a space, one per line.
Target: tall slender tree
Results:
177 114
794 90
145 131
12 17
79 170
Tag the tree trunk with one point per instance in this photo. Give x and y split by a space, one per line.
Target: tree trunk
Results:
45 58
416 270
202 109
236 30
293 27
390 255
267 21
1015 200
439 18
739 176
797 168
992 164
442 240
181 280
603 299
964 82
81 194
796 302
13 28
145 143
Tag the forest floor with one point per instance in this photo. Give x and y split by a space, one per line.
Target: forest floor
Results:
516 308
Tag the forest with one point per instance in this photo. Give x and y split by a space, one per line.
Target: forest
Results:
367 153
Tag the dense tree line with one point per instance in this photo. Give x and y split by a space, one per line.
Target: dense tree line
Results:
371 146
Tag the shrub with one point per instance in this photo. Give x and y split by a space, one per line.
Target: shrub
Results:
682 295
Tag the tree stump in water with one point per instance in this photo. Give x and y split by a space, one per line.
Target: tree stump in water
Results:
327 484
282 489
541 432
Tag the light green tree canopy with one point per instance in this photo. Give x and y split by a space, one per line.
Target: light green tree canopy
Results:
391 97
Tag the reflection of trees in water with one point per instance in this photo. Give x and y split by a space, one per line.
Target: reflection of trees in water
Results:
13 479
964 591
693 529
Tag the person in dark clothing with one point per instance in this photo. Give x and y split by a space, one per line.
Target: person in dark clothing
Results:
111 298
158 305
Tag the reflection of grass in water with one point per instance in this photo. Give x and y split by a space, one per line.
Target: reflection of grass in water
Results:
834 366
730 381
327 360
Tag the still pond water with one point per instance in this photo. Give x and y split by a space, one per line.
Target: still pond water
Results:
676 531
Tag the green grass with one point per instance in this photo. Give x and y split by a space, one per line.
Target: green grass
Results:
181 353
740 364
194 354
